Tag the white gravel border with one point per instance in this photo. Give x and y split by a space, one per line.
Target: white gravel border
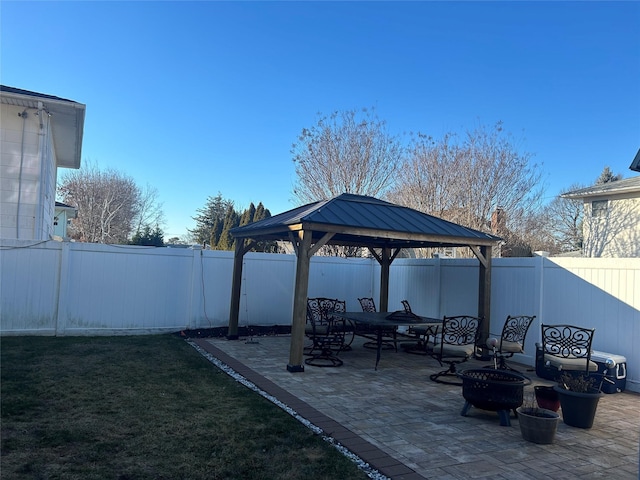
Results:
361 464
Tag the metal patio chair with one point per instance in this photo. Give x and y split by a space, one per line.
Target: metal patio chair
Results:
406 305
326 332
455 344
423 335
389 335
511 341
564 348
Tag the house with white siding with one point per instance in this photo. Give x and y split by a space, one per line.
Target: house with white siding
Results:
611 226
39 134
62 218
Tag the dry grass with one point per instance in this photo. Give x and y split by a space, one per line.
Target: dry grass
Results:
144 407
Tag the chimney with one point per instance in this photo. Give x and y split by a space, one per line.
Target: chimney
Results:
498 221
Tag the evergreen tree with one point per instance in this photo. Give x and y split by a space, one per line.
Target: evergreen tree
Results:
208 217
231 220
148 237
263 246
261 213
218 217
607 176
248 216
216 231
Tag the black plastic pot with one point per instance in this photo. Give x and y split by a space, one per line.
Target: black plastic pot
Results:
578 409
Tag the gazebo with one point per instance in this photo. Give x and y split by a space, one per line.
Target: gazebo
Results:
355 220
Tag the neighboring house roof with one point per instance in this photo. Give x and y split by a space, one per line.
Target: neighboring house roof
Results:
63 205
635 164
67 124
366 221
627 185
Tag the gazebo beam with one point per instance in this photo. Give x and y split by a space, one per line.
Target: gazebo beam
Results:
320 243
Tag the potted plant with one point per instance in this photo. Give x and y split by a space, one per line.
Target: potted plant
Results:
537 425
547 397
579 396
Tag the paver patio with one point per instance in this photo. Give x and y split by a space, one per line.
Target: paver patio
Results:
408 427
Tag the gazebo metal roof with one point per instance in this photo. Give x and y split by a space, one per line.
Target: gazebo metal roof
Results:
365 221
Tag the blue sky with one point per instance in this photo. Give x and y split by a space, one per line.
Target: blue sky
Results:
196 98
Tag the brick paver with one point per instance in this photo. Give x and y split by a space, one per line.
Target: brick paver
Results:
408 427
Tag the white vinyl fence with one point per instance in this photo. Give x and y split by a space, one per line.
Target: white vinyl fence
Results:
66 288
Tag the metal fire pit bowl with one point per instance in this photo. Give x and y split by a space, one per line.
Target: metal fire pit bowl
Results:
494 390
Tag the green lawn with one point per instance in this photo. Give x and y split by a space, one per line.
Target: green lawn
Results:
144 407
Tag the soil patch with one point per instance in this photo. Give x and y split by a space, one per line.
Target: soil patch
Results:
255 331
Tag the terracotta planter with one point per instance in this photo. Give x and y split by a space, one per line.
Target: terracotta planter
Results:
578 409
547 398
538 425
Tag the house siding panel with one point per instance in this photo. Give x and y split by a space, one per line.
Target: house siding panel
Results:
27 174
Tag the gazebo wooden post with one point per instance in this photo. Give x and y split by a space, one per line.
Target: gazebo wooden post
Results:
300 303
385 265
236 284
484 292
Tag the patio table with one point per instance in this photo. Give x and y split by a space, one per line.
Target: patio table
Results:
378 321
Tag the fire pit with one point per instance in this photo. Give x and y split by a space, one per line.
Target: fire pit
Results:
495 390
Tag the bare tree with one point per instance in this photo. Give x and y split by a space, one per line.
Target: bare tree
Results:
109 204
429 180
465 181
537 235
344 153
563 219
150 213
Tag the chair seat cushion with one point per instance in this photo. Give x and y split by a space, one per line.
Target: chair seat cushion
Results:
511 347
570 363
457 350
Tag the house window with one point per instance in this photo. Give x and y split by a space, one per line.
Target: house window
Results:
599 208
